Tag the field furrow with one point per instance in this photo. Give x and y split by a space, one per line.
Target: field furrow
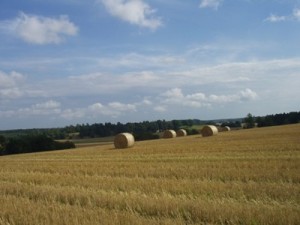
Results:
239 177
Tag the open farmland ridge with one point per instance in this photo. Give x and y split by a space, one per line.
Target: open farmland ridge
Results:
239 177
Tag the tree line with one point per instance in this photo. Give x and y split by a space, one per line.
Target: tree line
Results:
272 120
278 119
141 130
33 140
31 143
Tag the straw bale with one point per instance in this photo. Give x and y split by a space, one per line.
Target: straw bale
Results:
169 134
226 128
209 130
181 133
124 140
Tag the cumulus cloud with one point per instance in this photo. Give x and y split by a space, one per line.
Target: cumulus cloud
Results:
247 95
175 96
47 105
160 109
50 107
136 12
117 106
274 18
292 17
113 109
296 14
210 4
40 30
10 85
135 60
46 108
55 109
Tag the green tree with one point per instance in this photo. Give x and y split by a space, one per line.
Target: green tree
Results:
2 144
249 121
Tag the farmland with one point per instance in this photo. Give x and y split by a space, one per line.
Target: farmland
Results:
240 177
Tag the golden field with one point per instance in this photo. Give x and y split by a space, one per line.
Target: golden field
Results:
238 177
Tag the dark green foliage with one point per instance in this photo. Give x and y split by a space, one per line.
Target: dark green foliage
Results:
232 124
142 130
249 121
2 144
55 133
278 119
145 136
33 143
192 131
63 145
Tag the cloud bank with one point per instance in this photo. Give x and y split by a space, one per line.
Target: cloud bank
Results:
40 30
210 4
160 103
10 85
294 16
136 12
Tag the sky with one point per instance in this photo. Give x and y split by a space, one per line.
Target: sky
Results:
68 62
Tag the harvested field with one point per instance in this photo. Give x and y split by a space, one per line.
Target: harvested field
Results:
240 177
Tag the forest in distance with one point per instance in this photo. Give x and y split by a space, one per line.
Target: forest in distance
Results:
140 128
35 140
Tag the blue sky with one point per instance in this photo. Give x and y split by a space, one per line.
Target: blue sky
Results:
65 62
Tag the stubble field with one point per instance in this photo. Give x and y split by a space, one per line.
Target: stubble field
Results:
239 177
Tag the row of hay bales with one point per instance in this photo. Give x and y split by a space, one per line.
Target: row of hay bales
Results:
211 130
126 140
173 134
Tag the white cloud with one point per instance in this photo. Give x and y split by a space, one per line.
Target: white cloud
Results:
210 4
10 80
73 114
112 109
117 106
247 95
55 109
136 12
51 107
40 30
135 95
296 14
175 96
175 93
135 60
160 109
10 85
274 18
47 105
240 75
146 102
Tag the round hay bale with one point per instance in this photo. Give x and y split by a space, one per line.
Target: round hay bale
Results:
169 134
181 133
124 140
226 128
209 130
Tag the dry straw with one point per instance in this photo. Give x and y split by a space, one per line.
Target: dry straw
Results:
209 130
226 128
169 134
124 140
181 133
